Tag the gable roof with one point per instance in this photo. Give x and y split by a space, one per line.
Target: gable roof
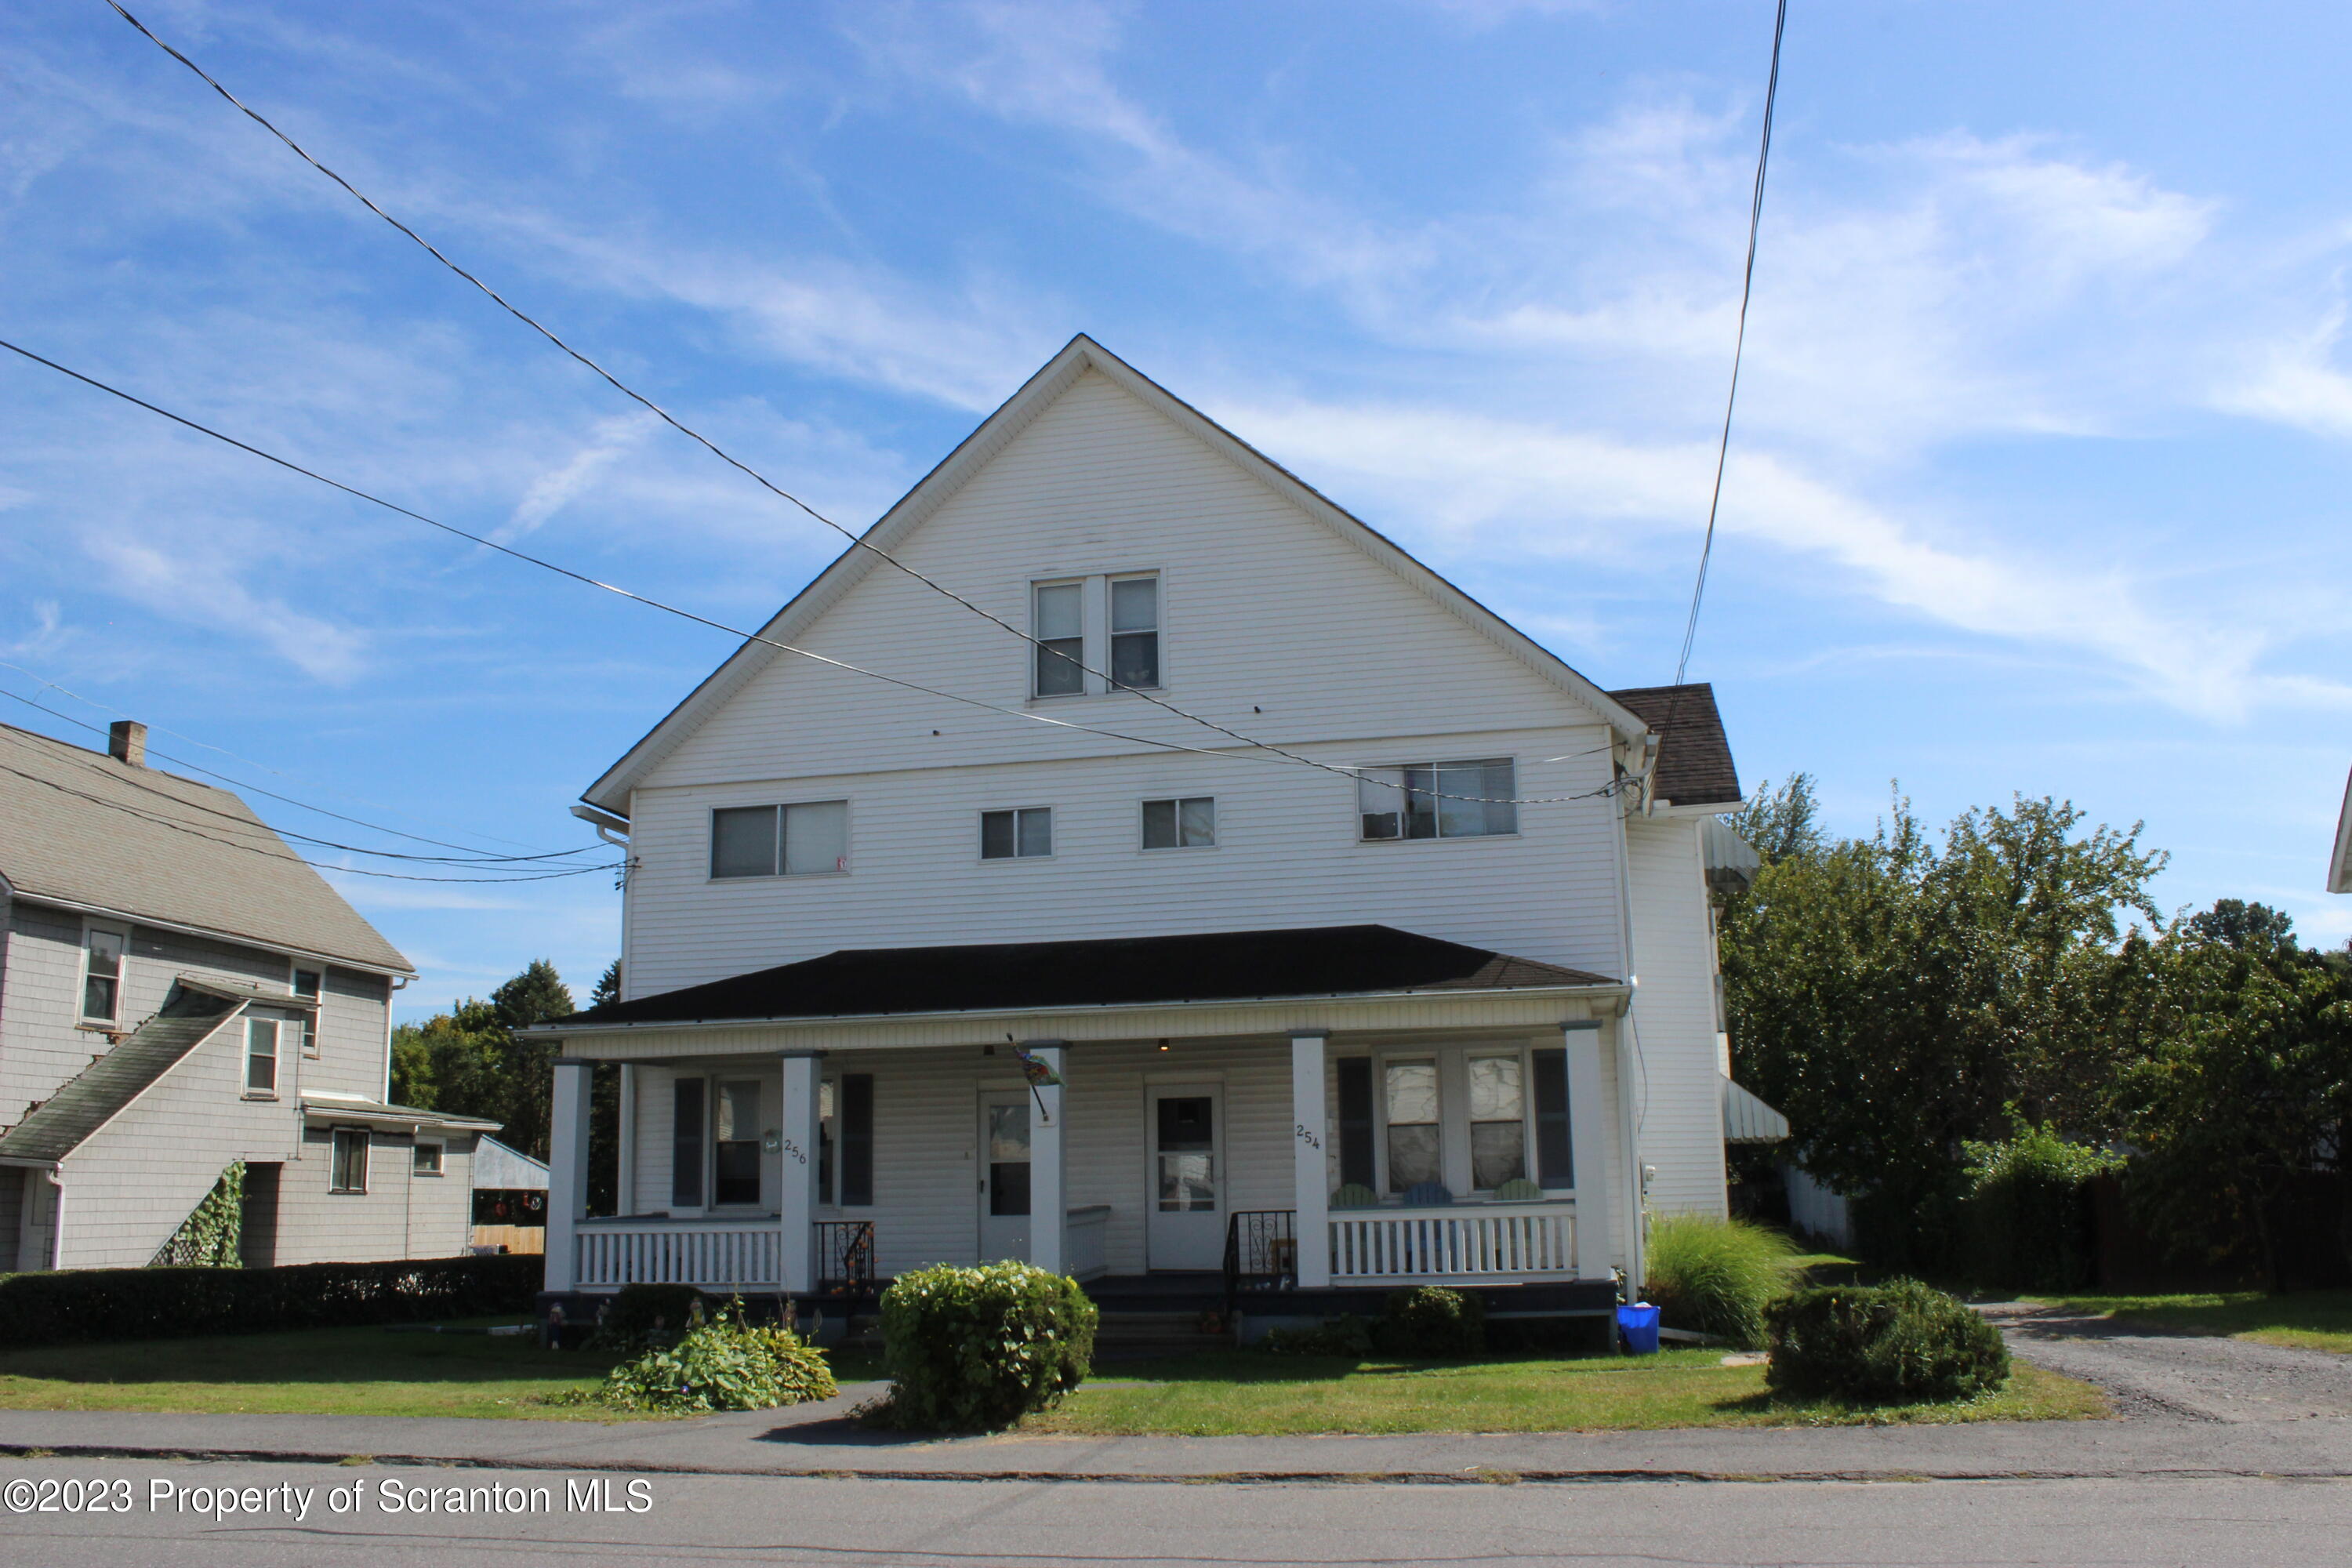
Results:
1694 764
2339 870
1079 356
83 829
1100 972
57 1126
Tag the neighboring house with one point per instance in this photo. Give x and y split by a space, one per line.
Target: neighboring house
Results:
510 1199
178 992
1335 1031
2339 867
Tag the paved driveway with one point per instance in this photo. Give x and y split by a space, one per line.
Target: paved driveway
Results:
2179 1377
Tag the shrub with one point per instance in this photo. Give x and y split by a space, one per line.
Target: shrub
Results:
645 1317
724 1363
1717 1276
1897 1344
972 1350
1431 1320
84 1304
1345 1336
2027 1220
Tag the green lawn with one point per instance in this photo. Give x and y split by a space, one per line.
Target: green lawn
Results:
339 1372
1226 1393
2309 1320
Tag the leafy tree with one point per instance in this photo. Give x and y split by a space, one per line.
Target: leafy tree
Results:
1896 997
468 1062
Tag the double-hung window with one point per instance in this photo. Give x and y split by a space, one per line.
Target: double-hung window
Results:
1061 619
306 984
1437 800
798 840
265 1035
1498 1120
735 1144
1416 1142
1466 1118
349 1169
101 982
1025 832
1108 625
1189 824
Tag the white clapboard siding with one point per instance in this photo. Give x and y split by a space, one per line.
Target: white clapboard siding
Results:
1682 1121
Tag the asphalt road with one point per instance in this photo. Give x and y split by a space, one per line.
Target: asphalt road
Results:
1021 1524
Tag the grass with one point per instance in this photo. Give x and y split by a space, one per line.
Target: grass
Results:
326 1372
1245 1392
2306 1320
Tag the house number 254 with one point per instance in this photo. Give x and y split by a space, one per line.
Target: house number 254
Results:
1307 1137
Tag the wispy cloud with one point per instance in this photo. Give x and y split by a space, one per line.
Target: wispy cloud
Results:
206 591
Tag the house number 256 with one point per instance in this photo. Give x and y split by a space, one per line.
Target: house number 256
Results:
794 1151
1306 1137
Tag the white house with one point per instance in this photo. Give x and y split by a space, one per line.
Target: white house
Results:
1357 939
178 994
2339 864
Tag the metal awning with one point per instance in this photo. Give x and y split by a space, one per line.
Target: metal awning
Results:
323 1109
1747 1119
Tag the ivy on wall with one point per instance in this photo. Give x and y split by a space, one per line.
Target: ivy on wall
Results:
208 1238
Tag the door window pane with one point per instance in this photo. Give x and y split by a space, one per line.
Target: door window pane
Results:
1135 631
1061 634
816 837
1187 1154
1008 1159
102 986
735 1144
1414 1153
743 841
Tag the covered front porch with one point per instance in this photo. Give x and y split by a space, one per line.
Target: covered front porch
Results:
1461 1125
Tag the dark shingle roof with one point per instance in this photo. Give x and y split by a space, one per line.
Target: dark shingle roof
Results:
58 1125
1694 764
79 826
1214 966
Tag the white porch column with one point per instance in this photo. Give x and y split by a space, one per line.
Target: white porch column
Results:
567 1170
1310 1174
796 1173
1049 1206
1588 1132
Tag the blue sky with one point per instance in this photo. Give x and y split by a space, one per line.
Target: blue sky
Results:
2037 483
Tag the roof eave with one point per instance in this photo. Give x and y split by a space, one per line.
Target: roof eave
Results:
563 1031
220 934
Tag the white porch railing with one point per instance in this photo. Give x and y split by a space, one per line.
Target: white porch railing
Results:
1496 1242
677 1252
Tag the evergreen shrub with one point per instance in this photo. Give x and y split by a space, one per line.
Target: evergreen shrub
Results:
974 1350
2027 1210
1717 1276
1898 1343
86 1304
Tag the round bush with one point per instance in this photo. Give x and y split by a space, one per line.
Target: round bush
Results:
1431 1320
1898 1343
973 1349
1717 1276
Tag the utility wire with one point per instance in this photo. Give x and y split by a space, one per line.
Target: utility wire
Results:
249 761
856 540
281 853
1276 754
471 857
1738 342
252 827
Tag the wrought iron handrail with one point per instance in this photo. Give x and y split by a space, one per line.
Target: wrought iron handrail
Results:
845 1255
1260 1252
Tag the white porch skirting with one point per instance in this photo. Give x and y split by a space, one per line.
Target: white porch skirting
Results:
1498 1243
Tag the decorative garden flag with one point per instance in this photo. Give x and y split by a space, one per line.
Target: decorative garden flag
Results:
1039 1071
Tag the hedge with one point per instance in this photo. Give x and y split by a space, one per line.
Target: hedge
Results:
81 1304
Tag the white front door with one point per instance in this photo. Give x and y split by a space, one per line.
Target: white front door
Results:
1005 1175
1187 1197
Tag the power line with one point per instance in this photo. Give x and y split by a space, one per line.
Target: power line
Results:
251 826
471 857
1738 342
249 761
856 540
284 854
1276 754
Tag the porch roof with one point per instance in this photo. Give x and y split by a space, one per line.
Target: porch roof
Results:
1213 966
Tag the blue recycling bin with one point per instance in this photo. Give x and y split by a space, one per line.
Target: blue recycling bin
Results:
1638 1322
